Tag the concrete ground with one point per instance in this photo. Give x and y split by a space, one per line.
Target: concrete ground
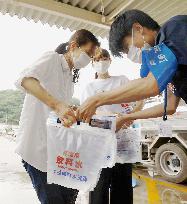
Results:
158 191
16 188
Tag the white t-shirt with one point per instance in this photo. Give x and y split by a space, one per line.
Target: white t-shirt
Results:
102 85
55 76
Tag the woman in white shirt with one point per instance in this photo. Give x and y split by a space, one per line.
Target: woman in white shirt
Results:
49 86
118 178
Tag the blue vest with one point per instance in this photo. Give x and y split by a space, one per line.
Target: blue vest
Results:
161 62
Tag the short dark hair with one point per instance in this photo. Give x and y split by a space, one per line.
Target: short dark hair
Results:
122 27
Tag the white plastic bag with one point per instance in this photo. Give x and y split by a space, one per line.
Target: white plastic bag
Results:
109 123
129 145
76 155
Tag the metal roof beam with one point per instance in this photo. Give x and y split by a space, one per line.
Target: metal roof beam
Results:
64 10
119 9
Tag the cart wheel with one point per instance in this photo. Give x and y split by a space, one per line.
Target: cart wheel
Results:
171 162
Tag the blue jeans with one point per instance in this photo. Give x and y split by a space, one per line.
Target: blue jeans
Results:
49 193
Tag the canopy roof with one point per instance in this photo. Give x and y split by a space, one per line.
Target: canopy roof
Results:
94 15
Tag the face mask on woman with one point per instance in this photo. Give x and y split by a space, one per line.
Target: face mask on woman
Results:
101 67
135 53
81 60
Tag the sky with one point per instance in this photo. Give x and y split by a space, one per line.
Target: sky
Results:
22 42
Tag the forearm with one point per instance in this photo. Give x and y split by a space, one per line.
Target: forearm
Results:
138 107
153 112
136 90
34 87
157 111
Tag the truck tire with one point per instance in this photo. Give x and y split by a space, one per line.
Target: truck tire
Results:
171 162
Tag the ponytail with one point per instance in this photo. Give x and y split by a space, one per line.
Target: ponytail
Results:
62 48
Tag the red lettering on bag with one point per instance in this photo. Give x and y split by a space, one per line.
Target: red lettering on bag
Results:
69 161
59 160
77 155
78 164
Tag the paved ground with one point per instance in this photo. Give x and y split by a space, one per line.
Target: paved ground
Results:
15 186
157 191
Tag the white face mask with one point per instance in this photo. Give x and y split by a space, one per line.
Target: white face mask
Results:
101 67
135 53
81 61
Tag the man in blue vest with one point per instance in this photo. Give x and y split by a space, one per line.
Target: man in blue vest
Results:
162 53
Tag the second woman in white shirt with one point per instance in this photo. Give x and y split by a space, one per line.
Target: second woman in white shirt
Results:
119 178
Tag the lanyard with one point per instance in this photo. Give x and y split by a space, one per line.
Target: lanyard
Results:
165 105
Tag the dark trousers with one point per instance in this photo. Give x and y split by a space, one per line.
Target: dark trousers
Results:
49 193
119 180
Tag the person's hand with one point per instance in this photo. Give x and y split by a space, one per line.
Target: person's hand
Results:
65 114
73 107
85 112
123 122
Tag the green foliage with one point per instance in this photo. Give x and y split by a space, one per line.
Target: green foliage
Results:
11 102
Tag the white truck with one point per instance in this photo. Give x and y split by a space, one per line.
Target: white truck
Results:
167 156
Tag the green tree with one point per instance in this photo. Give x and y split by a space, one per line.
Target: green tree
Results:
11 102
